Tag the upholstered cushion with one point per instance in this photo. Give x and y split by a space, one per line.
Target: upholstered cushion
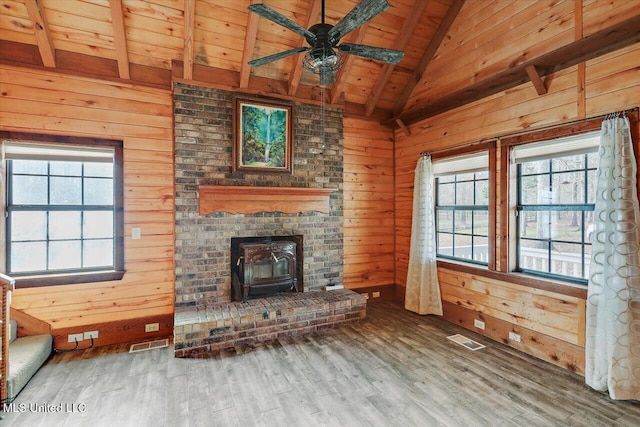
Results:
26 355
13 331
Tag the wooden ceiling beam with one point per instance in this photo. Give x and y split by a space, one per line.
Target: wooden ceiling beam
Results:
120 38
404 128
401 42
610 39
356 111
189 30
534 76
230 80
313 16
27 56
41 30
310 94
78 64
23 55
428 54
356 37
249 46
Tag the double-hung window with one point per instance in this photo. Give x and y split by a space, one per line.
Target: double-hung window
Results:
64 212
462 214
555 202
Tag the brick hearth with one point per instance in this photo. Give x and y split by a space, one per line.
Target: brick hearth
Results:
207 328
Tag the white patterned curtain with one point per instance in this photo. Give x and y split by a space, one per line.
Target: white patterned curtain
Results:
613 303
423 290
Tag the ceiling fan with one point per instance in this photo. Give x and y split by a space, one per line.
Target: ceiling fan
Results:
322 55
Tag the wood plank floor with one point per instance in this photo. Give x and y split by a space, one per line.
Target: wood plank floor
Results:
393 369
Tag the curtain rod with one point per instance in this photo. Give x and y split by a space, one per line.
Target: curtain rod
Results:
603 116
507 135
457 147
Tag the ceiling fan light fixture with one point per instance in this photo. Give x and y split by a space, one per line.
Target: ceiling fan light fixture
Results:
321 60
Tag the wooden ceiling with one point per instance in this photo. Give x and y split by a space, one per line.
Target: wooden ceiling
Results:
156 41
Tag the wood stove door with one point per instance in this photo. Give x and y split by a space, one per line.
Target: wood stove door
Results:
266 266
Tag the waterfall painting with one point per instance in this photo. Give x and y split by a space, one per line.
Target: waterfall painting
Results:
262 135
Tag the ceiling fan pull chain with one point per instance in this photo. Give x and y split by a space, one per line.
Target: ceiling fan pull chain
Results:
323 146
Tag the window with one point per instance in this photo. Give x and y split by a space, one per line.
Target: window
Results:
64 213
520 208
462 213
555 202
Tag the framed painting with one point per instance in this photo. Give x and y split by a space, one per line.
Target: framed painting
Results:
262 135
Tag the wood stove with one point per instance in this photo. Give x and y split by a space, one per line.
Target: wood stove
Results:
263 267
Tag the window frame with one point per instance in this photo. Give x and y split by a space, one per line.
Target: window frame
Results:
508 220
488 146
501 178
89 275
456 208
582 208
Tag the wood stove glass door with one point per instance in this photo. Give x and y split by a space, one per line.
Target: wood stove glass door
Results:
281 267
261 269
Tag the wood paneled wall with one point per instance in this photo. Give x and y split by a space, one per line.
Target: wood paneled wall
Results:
378 176
39 101
486 37
368 204
551 325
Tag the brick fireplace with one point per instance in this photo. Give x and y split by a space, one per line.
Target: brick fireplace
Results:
203 158
307 203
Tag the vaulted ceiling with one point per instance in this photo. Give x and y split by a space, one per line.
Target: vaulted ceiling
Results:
155 41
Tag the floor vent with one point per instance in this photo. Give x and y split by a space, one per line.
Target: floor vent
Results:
466 342
143 346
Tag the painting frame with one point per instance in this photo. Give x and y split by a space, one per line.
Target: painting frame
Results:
256 119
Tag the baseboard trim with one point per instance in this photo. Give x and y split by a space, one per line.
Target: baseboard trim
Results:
116 332
399 292
545 347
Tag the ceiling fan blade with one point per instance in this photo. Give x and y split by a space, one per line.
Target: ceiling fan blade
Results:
272 15
327 77
276 56
391 56
360 14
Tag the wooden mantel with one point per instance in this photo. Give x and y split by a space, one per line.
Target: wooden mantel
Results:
250 200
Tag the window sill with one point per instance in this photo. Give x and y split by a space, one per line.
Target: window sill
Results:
68 279
555 286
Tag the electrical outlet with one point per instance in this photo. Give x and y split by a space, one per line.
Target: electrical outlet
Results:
91 334
152 327
515 337
376 294
136 233
478 324
75 337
